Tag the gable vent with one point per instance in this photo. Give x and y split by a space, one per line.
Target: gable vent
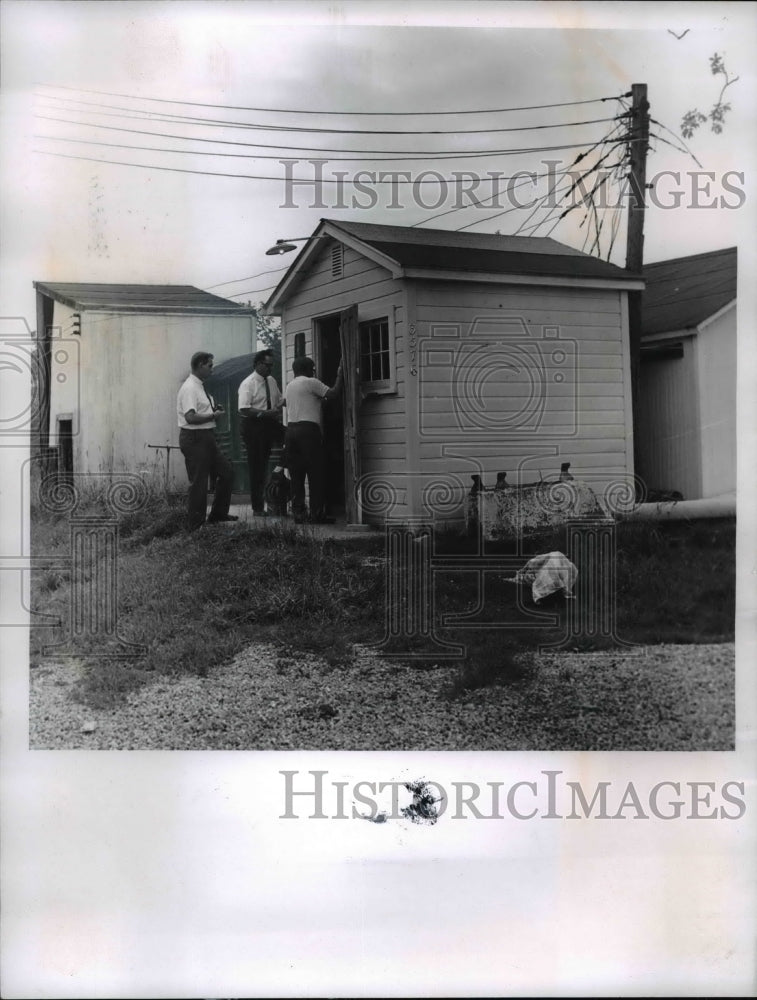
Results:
337 260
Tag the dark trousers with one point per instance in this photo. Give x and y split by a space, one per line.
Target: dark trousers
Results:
258 436
304 457
204 460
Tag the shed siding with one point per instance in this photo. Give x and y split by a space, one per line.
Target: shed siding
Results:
382 437
583 416
131 367
716 365
669 423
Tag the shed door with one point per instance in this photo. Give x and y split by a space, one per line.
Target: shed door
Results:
348 335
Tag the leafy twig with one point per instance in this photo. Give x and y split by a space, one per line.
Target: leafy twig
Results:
693 119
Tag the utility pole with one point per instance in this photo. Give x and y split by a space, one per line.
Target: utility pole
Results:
638 144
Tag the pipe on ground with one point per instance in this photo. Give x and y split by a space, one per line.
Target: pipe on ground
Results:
684 510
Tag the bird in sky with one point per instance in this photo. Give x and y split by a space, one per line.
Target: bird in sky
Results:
679 37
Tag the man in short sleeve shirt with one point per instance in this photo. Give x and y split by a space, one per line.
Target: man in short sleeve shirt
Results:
304 438
196 412
259 405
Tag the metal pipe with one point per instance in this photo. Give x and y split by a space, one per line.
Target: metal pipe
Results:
684 510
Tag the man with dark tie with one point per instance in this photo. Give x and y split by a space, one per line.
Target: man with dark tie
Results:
196 411
260 406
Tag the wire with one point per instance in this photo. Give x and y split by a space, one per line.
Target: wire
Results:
480 201
249 291
266 177
257 126
303 111
679 149
250 277
549 194
683 148
298 149
390 157
601 143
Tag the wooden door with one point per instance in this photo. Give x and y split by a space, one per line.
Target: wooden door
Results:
348 335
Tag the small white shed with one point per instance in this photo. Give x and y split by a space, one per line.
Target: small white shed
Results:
112 360
687 384
466 354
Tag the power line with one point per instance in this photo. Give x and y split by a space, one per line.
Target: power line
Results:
256 126
301 149
608 139
480 201
547 173
266 177
250 277
304 111
263 288
389 158
679 149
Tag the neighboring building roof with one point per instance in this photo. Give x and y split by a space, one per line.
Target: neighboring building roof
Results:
226 370
419 252
682 293
139 298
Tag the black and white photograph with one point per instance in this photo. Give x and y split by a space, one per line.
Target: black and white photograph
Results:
378 461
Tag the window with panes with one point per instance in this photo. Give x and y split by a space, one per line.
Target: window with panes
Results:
374 350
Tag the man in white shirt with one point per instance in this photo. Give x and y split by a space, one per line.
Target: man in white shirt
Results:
260 405
304 438
196 412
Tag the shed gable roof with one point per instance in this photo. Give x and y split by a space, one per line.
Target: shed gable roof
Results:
439 253
684 292
139 298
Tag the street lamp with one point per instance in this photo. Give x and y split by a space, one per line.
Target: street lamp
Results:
285 246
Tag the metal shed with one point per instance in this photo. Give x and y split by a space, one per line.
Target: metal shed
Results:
112 358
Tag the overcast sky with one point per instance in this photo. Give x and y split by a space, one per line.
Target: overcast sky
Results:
69 219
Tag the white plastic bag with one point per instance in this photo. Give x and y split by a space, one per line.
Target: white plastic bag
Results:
548 573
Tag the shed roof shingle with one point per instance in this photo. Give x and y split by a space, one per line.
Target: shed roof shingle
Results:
139 298
684 292
443 254
442 250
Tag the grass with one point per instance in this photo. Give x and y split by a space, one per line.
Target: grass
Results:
193 601
675 583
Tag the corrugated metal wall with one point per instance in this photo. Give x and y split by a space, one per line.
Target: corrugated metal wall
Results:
123 394
716 351
669 454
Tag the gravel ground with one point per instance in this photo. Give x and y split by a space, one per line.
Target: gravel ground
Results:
656 698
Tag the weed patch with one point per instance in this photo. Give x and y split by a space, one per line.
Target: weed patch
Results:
194 600
105 684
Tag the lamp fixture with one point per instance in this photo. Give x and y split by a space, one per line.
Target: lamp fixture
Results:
285 246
